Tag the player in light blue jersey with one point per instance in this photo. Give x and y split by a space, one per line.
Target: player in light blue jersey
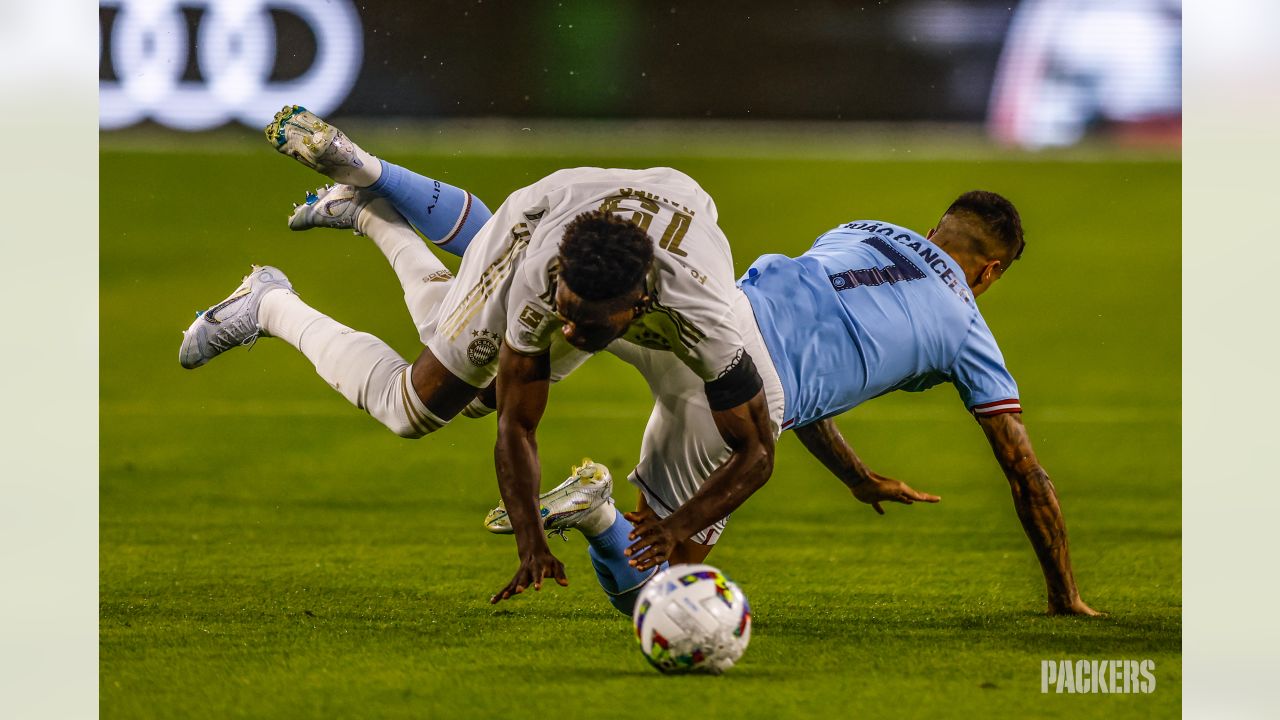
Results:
872 307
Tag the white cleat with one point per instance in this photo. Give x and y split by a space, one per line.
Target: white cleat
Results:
300 134
330 206
588 488
232 322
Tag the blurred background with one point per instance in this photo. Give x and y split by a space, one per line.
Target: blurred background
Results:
1036 73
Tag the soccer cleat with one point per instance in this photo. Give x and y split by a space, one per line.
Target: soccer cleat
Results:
298 133
330 206
561 508
232 322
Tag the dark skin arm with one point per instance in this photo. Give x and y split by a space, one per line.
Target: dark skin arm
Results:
522 386
1036 501
746 430
823 440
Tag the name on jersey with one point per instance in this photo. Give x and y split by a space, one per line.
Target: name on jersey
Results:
637 194
932 257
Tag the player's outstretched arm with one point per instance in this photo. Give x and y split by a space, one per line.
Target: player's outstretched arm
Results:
522 386
823 440
1036 501
745 429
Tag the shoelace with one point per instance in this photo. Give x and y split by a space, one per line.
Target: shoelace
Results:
224 339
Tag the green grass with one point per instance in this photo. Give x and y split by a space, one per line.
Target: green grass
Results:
267 551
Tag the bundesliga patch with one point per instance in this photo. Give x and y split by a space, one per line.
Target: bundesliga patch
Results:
531 317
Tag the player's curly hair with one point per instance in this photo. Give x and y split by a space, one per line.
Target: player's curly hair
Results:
998 217
603 256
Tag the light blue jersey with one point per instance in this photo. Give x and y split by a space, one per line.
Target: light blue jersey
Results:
873 307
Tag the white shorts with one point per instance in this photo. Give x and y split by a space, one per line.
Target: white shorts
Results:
681 445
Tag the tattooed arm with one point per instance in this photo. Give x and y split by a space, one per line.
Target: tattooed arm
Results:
1037 505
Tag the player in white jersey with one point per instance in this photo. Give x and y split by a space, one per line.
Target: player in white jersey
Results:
581 257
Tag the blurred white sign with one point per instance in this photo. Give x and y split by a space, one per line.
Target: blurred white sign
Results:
235 50
1069 63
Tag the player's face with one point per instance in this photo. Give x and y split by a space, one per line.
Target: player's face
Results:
590 325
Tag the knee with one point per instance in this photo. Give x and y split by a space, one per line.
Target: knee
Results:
406 430
410 428
477 409
403 412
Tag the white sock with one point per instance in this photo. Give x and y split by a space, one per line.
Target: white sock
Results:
423 277
363 175
598 520
368 373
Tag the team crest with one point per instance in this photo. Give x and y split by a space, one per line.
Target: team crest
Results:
483 350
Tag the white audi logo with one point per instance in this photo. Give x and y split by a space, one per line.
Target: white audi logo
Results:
235 49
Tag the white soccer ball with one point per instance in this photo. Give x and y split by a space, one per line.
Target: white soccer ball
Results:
691 618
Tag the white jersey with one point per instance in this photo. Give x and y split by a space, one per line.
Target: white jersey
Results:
506 287
682 446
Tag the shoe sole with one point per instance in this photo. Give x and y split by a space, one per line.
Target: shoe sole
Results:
275 130
275 133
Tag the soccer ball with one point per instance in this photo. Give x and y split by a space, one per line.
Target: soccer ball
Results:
691 618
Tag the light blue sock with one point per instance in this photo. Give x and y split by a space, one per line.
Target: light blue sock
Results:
447 215
620 581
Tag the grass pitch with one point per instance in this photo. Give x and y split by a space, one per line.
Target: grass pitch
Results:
268 551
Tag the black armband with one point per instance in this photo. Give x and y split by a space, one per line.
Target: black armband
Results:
736 385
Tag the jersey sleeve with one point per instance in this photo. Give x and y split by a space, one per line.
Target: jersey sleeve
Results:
979 373
532 321
709 341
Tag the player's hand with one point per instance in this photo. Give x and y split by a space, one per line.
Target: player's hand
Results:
877 488
644 513
1075 607
652 541
533 568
